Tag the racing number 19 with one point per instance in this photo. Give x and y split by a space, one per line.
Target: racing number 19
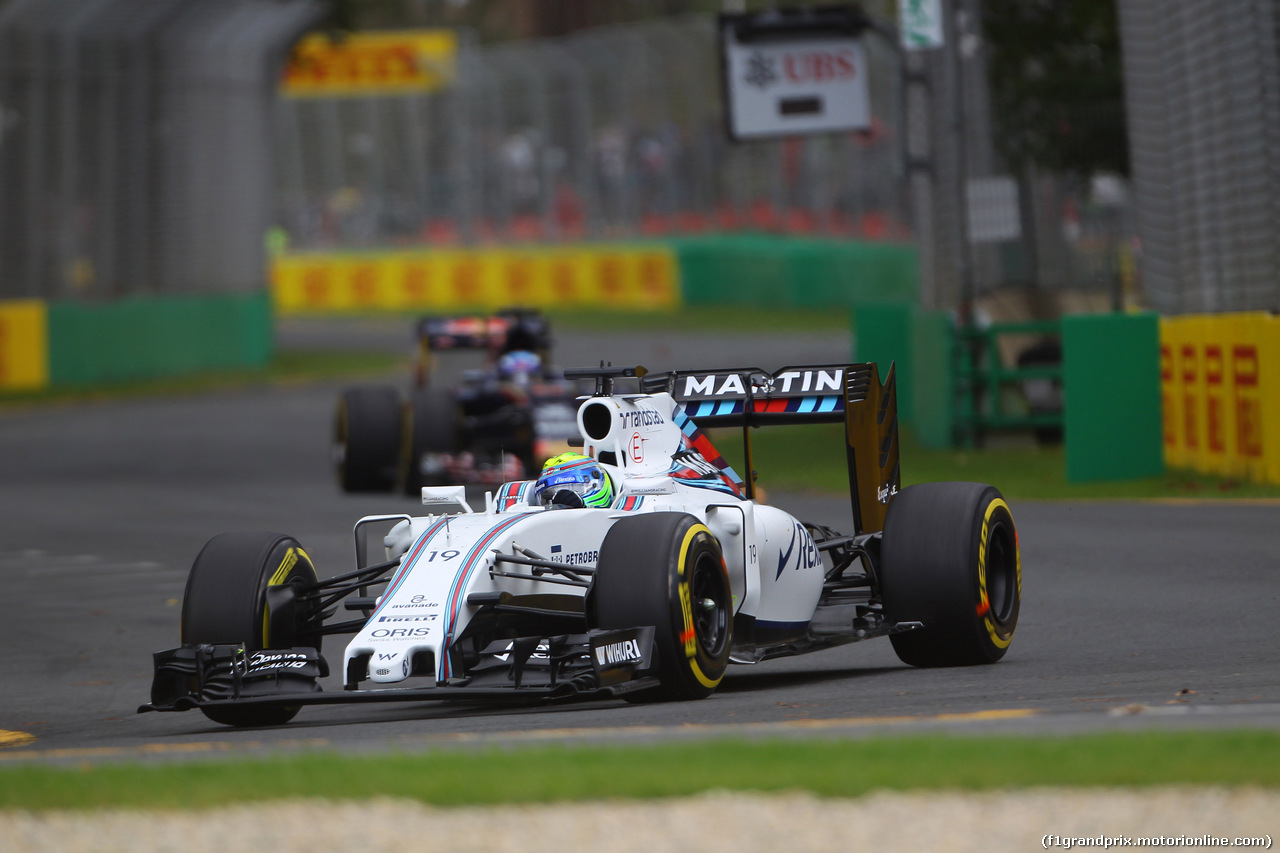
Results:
444 555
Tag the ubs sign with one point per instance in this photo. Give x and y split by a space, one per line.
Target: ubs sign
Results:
794 73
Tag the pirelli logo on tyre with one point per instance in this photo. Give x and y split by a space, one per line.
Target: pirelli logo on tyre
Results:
687 636
290 560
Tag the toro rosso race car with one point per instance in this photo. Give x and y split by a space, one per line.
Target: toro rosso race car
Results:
639 568
496 424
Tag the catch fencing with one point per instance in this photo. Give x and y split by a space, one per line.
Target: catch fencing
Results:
135 143
1203 91
146 148
610 132
1015 242
619 131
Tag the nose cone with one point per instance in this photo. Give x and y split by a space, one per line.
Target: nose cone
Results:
388 667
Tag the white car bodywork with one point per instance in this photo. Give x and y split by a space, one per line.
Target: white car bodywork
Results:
683 573
775 569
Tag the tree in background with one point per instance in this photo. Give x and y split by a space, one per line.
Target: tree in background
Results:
1057 84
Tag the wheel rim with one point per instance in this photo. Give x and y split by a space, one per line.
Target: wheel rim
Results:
1002 572
710 604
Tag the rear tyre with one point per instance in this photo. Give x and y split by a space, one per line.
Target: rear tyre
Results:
225 603
949 559
666 569
432 428
366 438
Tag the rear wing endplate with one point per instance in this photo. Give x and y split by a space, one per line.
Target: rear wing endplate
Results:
830 393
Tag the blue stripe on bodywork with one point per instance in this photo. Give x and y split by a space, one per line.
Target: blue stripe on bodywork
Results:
407 563
708 483
460 580
681 419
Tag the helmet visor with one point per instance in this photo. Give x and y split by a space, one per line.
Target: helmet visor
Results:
588 486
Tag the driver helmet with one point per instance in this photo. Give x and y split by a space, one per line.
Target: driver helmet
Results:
572 479
518 365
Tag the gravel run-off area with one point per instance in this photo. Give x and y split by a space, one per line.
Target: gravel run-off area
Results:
743 823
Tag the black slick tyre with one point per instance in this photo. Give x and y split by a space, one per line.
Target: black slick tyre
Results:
225 603
431 428
666 569
366 438
949 559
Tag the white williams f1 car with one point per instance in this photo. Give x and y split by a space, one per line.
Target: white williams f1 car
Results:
639 568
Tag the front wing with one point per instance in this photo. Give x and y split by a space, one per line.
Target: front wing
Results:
599 664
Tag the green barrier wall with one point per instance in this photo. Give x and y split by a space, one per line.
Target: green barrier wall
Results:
1111 394
921 345
766 270
884 332
142 338
149 337
933 395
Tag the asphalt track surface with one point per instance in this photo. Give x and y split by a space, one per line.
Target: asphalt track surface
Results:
1134 615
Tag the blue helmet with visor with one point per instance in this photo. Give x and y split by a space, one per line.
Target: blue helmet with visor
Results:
572 479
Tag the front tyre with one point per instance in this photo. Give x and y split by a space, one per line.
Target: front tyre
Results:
225 603
949 559
666 569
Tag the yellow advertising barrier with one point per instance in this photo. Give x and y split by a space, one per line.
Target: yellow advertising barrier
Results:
621 277
1244 357
1171 394
1220 382
24 349
371 63
1256 362
1189 374
1269 332
1221 456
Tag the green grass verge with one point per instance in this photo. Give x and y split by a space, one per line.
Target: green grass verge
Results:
829 768
812 458
289 366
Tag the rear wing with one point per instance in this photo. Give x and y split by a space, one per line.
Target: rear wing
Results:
851 394
508 329
515 328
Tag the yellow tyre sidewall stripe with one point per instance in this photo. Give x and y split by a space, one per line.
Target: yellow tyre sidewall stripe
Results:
686 607
278 577
999 641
